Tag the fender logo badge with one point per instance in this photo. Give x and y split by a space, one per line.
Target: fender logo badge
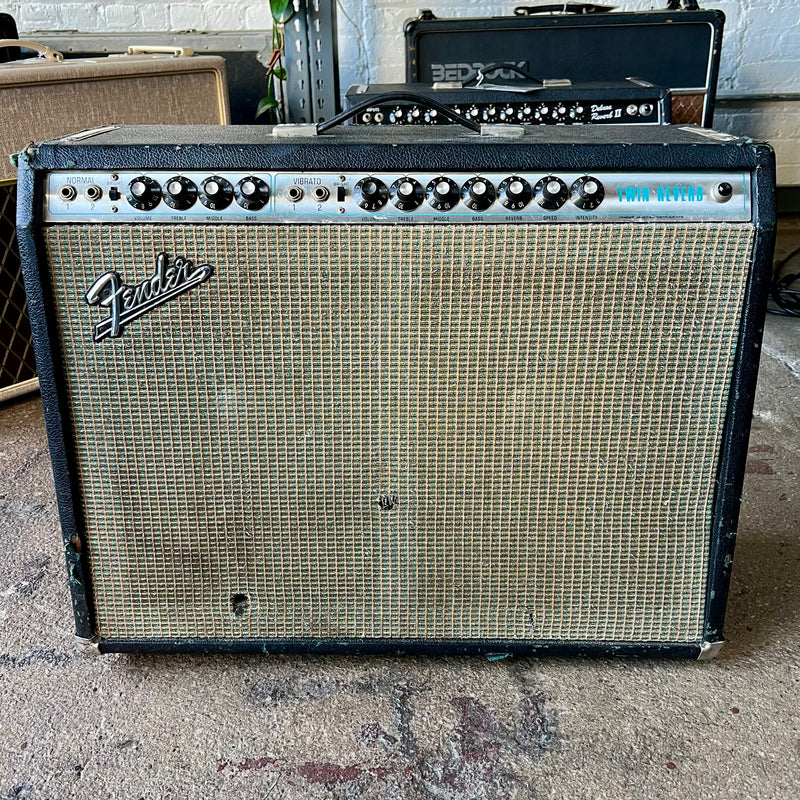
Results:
127 303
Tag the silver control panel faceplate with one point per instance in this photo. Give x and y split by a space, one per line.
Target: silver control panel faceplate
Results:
627 197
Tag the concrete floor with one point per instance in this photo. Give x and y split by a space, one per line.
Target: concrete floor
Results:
414 728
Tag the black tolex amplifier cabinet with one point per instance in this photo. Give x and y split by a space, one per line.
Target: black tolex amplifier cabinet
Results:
8 30
631 102
679 50
398 390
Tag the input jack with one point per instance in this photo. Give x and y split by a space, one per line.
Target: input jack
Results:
379 117
295 194
93 193
67 193
321 193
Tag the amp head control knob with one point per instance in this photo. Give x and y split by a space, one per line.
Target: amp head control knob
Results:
251 193
406 194
478 194
143 193
216 193
442 193
180 193
550 193
587 193
515 193
371 194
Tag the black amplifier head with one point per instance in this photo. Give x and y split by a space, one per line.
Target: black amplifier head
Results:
630 102
679 49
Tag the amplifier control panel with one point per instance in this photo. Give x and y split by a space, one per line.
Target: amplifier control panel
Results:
647 111
629 102
515 196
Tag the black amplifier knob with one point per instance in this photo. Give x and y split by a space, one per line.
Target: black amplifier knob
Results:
442 193
371 194
478 194
216 193
251 193
180 193
143 193
550 193
515 193
406 194
587 193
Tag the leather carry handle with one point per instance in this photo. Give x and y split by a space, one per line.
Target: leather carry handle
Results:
147 49
405 97
43 50
480 75
561 8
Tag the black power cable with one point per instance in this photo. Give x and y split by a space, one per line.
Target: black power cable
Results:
393 97
786 299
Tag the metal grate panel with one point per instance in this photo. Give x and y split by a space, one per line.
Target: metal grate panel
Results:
687 109
17 362
542 406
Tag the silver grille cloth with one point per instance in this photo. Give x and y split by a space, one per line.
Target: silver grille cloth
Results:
545 402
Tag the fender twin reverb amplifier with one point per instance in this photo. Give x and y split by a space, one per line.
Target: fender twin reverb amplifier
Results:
633 102
397 390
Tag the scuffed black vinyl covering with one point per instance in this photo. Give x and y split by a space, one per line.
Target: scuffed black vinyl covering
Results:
491 648
568 148
51 385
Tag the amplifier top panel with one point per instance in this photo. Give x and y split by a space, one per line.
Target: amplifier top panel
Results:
577 148
632 87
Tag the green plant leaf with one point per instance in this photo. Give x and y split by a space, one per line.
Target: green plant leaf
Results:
281 10
265 105
279 73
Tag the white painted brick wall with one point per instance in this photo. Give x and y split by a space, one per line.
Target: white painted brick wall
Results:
761 45
777 122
